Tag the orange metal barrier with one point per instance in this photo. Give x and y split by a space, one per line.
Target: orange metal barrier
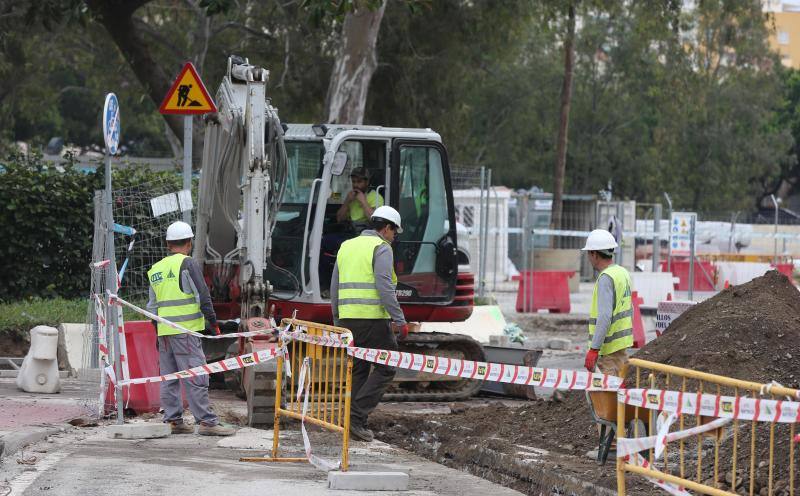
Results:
720 462
329 382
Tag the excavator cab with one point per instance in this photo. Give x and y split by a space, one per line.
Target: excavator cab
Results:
408 170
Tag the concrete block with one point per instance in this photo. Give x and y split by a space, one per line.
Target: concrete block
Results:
559 344
71 342
138 430
368 481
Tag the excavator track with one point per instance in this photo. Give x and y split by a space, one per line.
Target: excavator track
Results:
415 386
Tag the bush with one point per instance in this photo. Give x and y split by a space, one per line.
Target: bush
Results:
46 226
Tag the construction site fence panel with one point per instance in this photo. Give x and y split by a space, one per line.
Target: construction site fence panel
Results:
727 454
313 385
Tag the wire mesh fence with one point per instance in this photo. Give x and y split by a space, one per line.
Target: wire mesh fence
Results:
141 214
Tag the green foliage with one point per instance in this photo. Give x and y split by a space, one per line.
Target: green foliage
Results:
22 315
47 224
666 99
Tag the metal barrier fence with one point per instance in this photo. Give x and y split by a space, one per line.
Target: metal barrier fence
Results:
327 388
734 459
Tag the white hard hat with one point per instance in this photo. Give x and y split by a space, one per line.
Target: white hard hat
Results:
390 214
600 240
179 230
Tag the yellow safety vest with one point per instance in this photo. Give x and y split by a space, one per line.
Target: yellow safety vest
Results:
173 304
620 333
358 295
357 213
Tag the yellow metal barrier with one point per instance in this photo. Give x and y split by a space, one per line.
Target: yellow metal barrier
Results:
734 467
329 381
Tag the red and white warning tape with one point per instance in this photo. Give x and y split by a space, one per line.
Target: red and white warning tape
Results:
628 446
713 405
563 379
303 387
184 330
467 369
237 362
329 339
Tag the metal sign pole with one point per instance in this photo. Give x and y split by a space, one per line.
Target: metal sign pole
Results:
111 134
481 247
669 244
692 223
187 162
775 240
111 283
656 237
485 229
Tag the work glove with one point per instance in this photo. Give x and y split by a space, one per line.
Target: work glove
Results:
591 359
216 330
401 330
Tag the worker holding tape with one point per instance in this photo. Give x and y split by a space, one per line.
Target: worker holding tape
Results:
611 313
363 300
178 293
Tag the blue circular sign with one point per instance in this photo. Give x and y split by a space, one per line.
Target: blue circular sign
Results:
111 123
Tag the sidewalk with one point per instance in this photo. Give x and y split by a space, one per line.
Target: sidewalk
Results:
84 461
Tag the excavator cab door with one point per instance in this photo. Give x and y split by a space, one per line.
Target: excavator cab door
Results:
425 254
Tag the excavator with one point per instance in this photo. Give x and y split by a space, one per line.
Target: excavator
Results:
267 230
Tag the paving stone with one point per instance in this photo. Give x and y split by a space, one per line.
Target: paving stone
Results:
368 481
139 430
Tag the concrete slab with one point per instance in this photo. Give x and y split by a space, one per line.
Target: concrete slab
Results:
368 481
71 342
138 430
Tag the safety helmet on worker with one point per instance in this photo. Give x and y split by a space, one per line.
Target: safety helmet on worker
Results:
179 230
388 214
600 240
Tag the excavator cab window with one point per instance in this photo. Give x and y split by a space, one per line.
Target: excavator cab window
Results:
343 219
305 164
425 252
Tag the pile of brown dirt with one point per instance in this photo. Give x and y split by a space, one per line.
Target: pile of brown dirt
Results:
749 332
497 442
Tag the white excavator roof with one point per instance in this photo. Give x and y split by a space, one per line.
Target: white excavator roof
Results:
320 131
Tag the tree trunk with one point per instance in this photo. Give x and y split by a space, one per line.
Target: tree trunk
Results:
563 128
355 63
117 17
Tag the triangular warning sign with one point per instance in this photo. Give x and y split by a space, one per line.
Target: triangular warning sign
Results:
187 95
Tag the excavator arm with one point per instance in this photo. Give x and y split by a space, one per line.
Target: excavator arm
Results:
241 186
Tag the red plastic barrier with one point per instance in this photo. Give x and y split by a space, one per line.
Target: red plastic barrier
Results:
550 291
786 269
680 269
140 338
638 324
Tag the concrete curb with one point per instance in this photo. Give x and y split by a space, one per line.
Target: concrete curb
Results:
13 441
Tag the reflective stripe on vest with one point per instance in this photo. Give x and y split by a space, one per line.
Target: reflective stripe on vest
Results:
620 332
358 295
172 303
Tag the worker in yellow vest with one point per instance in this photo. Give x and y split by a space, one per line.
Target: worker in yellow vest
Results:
179 294
611 313
360 202
363 300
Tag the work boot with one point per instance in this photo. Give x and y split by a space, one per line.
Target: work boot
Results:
361 433
181 428
215 430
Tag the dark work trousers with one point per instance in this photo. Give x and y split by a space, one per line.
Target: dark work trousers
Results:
180 352
368 388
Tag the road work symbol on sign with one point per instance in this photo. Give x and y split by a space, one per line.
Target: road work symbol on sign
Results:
188 94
